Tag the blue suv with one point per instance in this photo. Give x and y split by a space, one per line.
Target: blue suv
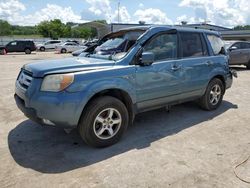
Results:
101 94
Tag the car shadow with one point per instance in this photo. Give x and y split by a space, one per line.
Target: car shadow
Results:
50 150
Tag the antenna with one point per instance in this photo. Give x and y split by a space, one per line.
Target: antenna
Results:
118 12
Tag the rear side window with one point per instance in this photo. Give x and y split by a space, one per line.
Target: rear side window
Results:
216 43
192 45
245 45
163 46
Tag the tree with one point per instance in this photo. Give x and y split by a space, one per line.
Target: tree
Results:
5 28
242 27
54 29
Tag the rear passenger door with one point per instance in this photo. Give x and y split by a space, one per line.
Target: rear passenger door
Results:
195 63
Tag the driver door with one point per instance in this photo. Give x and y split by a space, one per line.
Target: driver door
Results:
12 46
158 83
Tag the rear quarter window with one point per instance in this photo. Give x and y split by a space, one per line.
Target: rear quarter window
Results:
216 43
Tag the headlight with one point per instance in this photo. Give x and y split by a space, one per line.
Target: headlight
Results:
57 82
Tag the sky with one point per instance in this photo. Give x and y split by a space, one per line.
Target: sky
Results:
227 13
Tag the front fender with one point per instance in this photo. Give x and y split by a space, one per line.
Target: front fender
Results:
92 88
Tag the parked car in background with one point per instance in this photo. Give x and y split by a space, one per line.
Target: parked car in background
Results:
75 41
100 94
86 49
77 52
51 44
239 53
26 46
68 47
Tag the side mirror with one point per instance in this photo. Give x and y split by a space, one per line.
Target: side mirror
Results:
147 58
233 48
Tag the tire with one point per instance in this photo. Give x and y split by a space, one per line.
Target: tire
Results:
248 65
27 51
95 125
42 49
213 96
63 51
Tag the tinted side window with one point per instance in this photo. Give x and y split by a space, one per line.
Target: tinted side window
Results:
191 45
163 46
245 45
54 42
237 45
13 43
216 43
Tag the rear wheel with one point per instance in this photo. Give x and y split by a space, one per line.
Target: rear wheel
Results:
103 122
63 50
213 96
42 49
27 51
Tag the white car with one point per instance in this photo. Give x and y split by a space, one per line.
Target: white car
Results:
51 44
69 47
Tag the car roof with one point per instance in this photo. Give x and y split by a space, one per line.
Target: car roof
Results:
22 40
167 27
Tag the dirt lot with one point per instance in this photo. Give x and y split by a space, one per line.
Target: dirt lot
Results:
187 147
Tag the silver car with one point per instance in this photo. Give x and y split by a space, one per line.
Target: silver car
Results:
239 53
69 47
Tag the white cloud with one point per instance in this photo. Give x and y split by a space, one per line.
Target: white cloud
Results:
12 12
152 16
9 10
50 12
124 15
99 7
224 12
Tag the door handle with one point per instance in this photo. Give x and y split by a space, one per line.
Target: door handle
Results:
176 67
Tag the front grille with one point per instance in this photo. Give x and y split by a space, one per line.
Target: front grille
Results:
24 80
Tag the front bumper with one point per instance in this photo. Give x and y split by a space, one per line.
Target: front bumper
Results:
28 112
61 109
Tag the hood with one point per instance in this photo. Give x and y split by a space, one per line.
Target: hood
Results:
42 68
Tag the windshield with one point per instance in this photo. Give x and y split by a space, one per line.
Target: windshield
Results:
115 46
113 43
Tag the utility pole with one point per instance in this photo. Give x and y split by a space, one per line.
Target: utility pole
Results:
118 12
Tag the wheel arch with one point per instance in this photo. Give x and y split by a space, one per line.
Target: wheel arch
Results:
120 94
220 77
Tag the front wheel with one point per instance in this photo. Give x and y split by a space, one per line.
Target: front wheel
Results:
103 122
213 96
27 51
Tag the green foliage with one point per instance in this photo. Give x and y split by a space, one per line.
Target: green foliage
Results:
83 32
5 28
54 29
242 27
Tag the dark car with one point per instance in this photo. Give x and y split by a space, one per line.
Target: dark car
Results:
26 46
239 53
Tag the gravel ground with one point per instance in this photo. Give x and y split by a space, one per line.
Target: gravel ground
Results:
186 147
